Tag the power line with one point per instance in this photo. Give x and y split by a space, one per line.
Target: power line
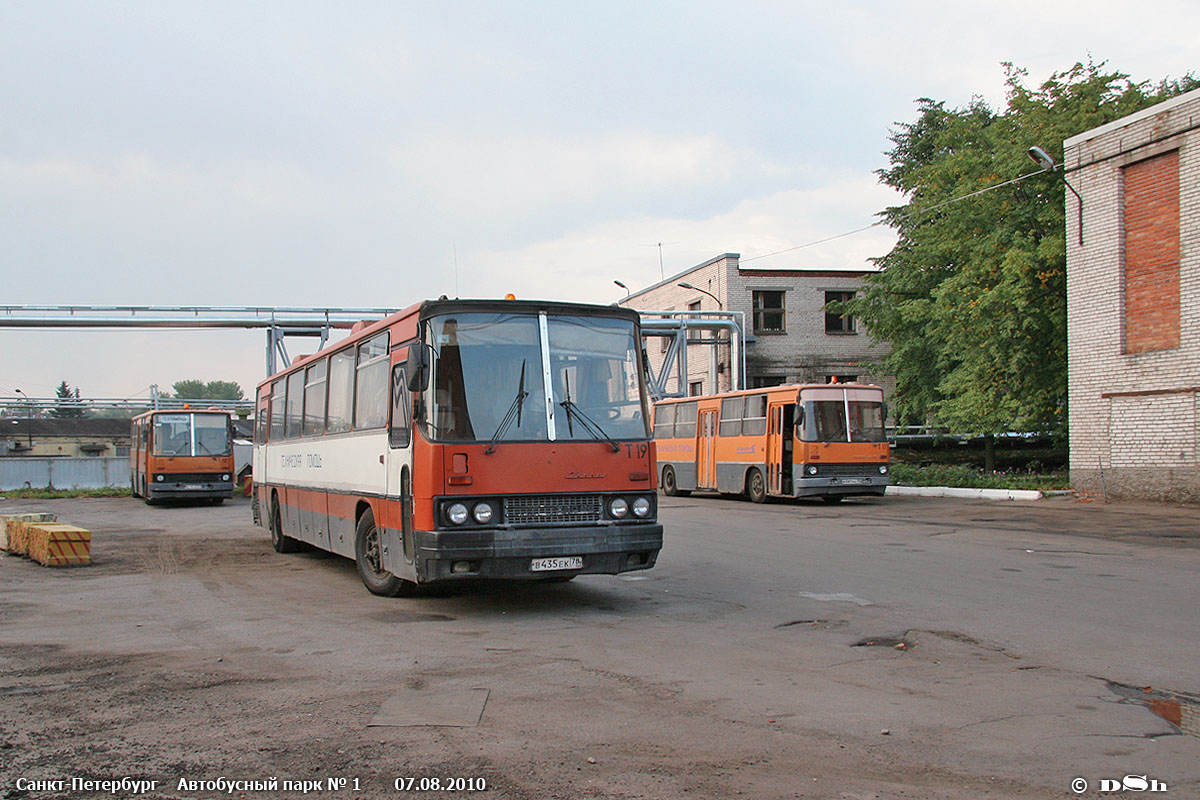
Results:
819 241
922 213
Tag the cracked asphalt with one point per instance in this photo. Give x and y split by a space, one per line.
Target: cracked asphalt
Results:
898 647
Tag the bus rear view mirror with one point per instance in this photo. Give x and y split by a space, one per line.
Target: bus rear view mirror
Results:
418 367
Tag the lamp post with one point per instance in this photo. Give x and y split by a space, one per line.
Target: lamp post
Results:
686 285
623 286
715 361
1044 160
29 412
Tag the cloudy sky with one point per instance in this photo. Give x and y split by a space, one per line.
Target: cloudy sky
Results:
379 153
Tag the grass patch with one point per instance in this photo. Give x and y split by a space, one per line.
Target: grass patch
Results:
970 477
1018 464
58 494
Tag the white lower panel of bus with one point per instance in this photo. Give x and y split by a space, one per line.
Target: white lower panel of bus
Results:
353 463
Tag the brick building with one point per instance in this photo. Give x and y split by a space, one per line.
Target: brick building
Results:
1133 304
791 338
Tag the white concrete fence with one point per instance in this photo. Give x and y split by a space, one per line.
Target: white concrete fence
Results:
32 472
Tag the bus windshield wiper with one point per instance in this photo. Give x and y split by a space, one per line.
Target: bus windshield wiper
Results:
514 412
590 425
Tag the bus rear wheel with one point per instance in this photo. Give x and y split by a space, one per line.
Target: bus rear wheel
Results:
281 543
670 485
756 488
368 557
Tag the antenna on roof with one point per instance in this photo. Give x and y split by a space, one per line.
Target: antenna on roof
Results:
661 275
454 247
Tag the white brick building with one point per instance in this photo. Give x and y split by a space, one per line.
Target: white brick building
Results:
790 336
1133 304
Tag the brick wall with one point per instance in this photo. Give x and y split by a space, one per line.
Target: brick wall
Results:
1151 239
1133 351
804 353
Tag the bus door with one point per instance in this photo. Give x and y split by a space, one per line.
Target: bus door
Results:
706 445
779 454
399 462
787 446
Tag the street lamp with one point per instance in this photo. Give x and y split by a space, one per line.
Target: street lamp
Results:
715 364
686 285
623 286
29 411
1044 160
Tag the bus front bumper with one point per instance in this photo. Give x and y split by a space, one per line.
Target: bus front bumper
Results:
536 553
842 485
180 490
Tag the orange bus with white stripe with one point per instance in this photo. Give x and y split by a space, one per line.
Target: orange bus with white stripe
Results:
465 439
182 454
800 440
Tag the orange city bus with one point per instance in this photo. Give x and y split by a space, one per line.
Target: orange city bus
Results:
181 455
808 440
465 439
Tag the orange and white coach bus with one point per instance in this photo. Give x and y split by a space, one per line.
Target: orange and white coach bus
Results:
463 439
823 440
181 455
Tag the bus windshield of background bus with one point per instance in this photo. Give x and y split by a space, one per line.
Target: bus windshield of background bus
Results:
824 418
487 366
192 435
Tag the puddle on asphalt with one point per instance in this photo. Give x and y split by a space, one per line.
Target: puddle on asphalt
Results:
1181 710
896 643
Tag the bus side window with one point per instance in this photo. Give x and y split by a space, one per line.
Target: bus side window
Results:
731 416
685 420
278 396
664 422
755 421
401 430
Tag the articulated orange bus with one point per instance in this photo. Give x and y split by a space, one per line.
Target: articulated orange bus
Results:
823 440
465 439
181 455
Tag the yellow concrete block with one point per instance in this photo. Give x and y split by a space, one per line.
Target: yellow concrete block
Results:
57 544
7 519
18 537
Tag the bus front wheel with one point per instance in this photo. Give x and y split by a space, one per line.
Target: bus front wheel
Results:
756 488
368 556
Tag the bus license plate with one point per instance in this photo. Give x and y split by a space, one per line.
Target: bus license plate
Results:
192 487
551 564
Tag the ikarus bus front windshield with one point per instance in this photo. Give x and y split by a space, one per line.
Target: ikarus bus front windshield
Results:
191 434
838 414
490 373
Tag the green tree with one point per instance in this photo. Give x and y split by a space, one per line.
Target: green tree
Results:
68 405
973 295
212 390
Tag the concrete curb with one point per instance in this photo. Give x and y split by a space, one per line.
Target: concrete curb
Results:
973 494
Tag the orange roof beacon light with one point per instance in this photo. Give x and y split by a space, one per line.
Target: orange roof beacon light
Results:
510 296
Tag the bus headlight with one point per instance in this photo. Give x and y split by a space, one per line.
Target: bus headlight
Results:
812 470
482 513
159 478
225 477
457 513
883 470
641 507
618 507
